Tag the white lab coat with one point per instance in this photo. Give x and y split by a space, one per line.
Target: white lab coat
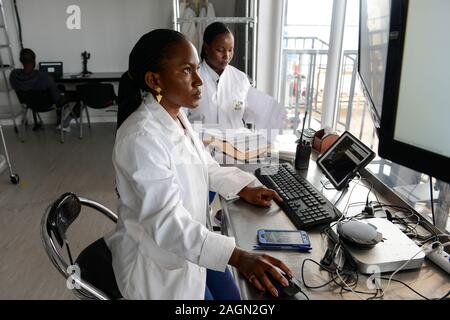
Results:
207 12
161 247
223 98
189 29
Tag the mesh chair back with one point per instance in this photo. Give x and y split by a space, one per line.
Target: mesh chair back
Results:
97 95
37 100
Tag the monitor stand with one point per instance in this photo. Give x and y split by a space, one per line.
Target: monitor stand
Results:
386 256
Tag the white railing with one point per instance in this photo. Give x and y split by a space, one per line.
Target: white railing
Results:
303 70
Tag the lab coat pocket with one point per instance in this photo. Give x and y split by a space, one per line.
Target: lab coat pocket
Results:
155 281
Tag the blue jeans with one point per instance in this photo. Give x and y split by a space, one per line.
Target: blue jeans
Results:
221 286
211 196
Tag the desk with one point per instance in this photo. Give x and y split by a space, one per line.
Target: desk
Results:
93 77
242 220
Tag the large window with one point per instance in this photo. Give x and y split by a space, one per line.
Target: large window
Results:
306 32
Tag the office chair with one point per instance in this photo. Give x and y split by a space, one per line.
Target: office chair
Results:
38 101
96 280
96 96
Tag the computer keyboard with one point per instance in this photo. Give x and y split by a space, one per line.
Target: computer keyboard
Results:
303 204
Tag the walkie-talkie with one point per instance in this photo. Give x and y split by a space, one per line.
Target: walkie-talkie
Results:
303 151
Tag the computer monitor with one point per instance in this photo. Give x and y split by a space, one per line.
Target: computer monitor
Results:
415 119
55 69
374 27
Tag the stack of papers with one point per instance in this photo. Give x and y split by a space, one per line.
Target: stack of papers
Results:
241 144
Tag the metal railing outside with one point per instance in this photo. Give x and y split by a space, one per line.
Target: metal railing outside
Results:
303 71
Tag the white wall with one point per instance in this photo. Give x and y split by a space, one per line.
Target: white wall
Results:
109 29
269 44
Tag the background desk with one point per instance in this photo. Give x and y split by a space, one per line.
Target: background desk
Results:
242 220
93 77
70 82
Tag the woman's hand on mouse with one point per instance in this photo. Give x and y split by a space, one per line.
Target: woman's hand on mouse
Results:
256 266
260 196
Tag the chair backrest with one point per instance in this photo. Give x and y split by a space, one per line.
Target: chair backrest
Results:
97 95
96 278
37 100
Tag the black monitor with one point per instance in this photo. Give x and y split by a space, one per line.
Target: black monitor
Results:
415 119
374 27
55 69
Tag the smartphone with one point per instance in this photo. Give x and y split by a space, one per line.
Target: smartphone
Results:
294 238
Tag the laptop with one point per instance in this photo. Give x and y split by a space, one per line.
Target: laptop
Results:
55 69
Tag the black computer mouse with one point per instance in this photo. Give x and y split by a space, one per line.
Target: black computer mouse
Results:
358 234
291 290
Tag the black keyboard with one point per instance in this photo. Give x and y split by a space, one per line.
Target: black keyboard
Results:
303 204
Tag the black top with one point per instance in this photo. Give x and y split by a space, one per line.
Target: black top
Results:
34 80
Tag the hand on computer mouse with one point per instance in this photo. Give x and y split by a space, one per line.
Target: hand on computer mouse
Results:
256 268
291 289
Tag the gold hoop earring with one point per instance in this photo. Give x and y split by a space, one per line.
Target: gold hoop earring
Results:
159 95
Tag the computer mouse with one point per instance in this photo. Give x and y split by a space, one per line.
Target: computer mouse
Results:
358 234
291 290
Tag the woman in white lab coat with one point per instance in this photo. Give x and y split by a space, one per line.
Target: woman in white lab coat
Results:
225 88
161 248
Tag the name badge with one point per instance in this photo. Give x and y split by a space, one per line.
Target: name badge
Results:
238 105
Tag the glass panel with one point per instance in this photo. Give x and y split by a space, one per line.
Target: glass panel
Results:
304 59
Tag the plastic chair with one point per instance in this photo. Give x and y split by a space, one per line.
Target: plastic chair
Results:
38 101
96 96
95 279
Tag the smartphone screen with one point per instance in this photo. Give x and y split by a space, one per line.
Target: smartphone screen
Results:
275 237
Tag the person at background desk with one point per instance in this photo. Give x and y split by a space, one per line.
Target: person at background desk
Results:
225 88
28 78
161 247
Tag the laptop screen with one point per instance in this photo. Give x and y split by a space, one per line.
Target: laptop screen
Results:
55 69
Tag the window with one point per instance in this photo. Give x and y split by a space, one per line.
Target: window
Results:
306 32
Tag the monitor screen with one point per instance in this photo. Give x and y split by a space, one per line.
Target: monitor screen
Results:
374 30
415 126
343 159
55 69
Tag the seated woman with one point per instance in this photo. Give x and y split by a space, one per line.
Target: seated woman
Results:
225 88
161 248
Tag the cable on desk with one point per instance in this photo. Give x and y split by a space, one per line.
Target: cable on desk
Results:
406 285
432 200
344 212
422 249
423 239
304 294
333 279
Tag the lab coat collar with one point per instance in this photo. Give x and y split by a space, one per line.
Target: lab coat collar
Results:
162 115
167 121
190 132
214 76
